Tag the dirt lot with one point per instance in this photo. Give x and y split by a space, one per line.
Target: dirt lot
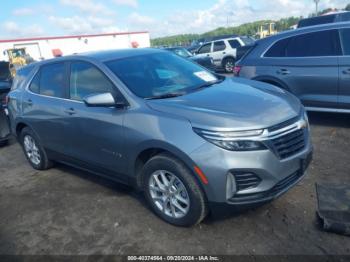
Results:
66 211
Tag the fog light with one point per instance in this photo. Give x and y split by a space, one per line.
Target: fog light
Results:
230 186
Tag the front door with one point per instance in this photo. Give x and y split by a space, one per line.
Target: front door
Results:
96 134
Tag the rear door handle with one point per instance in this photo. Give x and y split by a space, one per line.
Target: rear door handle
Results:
70 111
224 53
29 102
283 72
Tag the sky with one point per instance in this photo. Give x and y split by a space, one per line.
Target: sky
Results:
19 18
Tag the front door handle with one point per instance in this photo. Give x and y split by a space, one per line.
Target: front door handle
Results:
70 111
224 53
346 71
283 71
29 102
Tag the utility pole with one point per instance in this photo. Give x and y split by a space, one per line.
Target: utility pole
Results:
316 3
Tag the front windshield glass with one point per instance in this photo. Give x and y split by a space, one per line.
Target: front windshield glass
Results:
159 74
182 52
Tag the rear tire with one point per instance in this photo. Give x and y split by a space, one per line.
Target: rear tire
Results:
173 192
34 151
228 64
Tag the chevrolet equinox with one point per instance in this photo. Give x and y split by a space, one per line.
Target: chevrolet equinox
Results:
186 137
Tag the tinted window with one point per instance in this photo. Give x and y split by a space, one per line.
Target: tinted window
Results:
52 80
86 79
34 85
234 43
21 77
159 74
204 49
323 43
345 39
219 46
278 49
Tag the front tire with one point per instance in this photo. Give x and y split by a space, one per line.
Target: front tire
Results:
229 64
172 191
34 151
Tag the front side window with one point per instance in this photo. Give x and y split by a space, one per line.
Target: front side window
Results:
345 40
323 43
204 49
219 46
52 80
158 74
86 79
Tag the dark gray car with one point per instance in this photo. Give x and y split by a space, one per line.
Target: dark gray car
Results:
187 137
313 63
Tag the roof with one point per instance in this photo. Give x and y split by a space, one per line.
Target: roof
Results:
305 30
69 36
104 56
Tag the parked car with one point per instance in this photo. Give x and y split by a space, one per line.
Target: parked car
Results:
5 85
203 61
325 19
224 51
185 136
313 63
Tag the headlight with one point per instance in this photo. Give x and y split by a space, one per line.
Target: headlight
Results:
233 141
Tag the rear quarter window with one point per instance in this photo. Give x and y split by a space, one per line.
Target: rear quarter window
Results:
21 77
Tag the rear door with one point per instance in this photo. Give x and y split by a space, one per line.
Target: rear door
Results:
43 106
308 65
95 134
219 51
344 70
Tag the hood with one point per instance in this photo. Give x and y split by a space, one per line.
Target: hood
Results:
234 104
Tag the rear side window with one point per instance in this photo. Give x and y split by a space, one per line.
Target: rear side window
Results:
52 80
219 46
86 79
21 76
34 85
345 40
204 49
323 43
234 43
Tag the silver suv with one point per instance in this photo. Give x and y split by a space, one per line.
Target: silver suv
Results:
313 63
186 137
224 51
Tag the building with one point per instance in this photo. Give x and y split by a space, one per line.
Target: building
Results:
49 47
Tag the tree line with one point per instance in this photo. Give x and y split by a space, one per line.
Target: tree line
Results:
248 29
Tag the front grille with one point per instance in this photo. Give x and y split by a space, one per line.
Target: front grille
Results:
290 144
246 181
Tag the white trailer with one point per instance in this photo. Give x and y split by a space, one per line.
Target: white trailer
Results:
41 48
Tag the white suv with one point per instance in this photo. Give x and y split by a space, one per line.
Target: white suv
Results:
224 51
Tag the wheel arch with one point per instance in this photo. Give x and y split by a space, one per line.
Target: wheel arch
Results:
151 148
273 81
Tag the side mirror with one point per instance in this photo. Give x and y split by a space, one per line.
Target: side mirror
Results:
100 100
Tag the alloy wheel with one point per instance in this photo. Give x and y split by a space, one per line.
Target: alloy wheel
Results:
169 194
32 150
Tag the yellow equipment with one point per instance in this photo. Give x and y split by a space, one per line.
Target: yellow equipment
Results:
17 58
266 30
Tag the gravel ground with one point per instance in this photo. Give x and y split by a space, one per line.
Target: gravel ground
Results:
66 211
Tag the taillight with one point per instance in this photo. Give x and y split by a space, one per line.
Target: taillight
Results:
237 70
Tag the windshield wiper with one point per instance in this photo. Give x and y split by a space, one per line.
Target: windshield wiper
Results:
168 95
209 84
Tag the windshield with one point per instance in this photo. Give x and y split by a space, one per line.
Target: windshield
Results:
159 74
181 52
248 40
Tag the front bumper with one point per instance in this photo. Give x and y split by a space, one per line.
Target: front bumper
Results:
277 176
